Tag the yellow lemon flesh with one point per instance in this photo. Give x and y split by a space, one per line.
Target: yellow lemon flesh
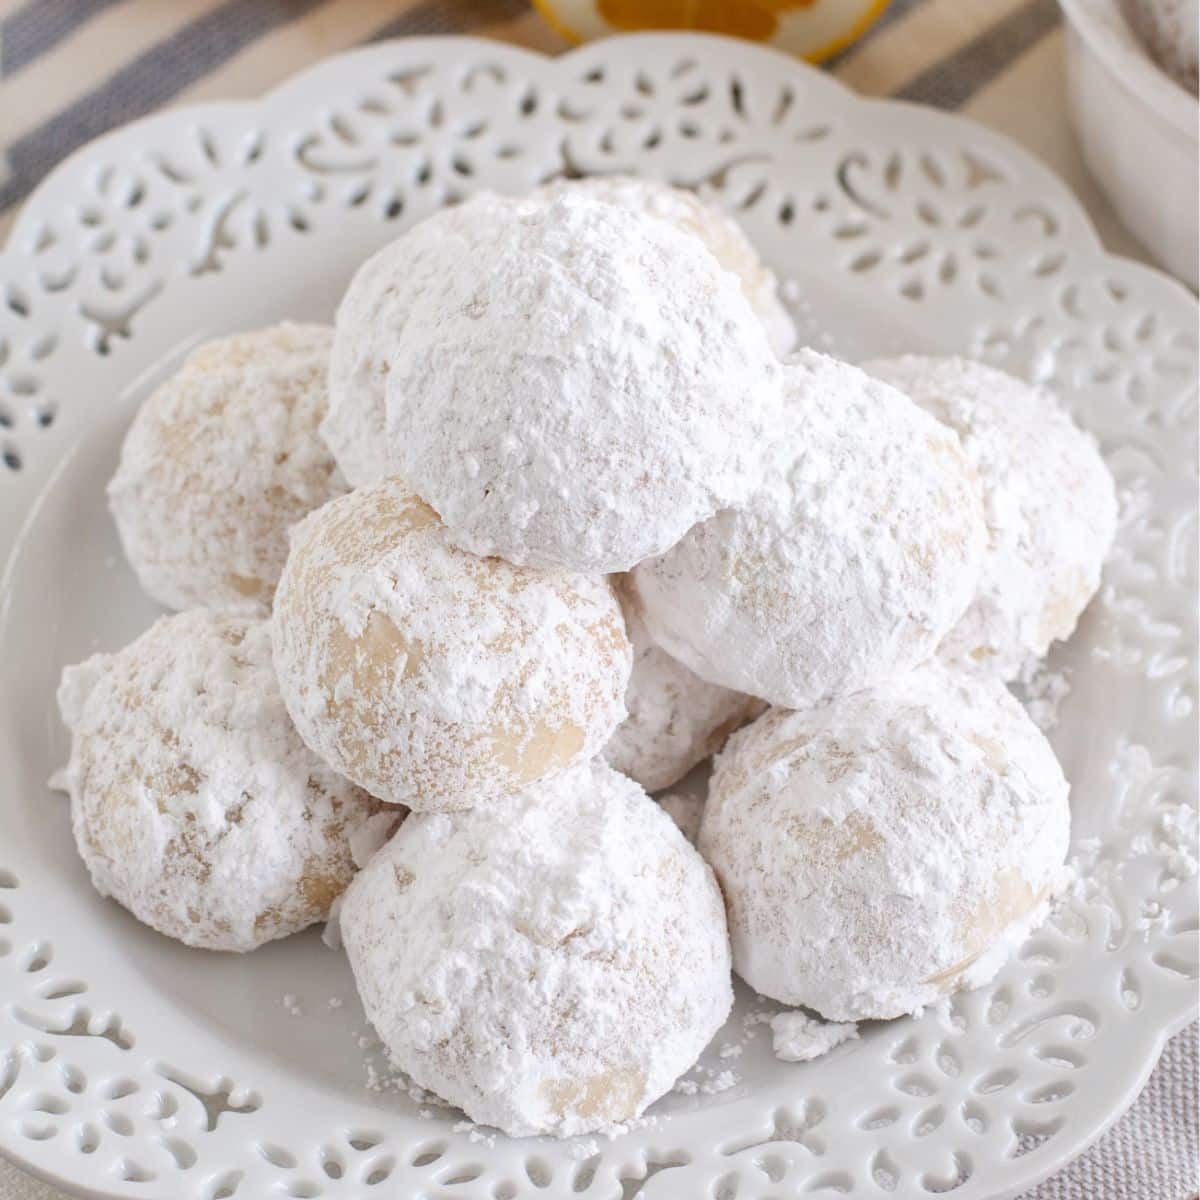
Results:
813 29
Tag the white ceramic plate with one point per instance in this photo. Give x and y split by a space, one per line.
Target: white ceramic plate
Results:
131 1066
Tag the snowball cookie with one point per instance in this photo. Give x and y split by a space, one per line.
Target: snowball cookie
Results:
379 300
719 232
577 384
1170 31
431 677
1049 501
194 802
886 848
551 964
219 461
676 720
847 567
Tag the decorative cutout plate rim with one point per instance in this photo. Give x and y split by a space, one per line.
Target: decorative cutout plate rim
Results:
922 218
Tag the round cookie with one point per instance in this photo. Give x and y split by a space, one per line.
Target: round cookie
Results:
219 461
434 678
675 720
848 566
719 232
194 802
1049 501
1169 30
576 385
885 849
374 307
551 964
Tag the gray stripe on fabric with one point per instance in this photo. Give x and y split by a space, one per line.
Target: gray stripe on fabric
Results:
950 83
38 26
449 16
144 85
891 14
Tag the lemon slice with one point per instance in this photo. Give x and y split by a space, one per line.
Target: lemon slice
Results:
813 29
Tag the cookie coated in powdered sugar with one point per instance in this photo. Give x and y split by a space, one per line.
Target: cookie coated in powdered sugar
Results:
220 460
718 231
434 678
875 852
847 567
1170 32
194 802
551 964
676 719
574 386
376 305
1049 501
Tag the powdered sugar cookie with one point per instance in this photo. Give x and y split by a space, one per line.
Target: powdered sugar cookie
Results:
550 964
847 567
194 802
719 232
675 720
1049 501
429 676
219 462
378 302
882 850
576 385
1170 31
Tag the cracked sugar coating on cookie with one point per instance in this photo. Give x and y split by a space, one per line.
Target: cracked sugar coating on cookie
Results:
220 460
718 231
848 566
434 678
1049 501
551 964
376 305
882 850
675 720
193 800
575 385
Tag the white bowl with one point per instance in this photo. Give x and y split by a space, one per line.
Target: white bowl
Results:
1138 131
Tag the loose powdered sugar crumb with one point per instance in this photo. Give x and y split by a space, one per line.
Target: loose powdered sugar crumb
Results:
1043 692
720 1082
797 1037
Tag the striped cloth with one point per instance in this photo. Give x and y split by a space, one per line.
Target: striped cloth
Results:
72 69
